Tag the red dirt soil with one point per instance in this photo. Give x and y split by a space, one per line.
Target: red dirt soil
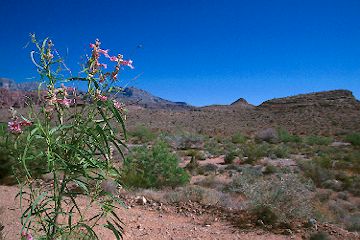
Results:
142 223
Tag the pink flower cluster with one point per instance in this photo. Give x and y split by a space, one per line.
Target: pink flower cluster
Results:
101 97
26 236
60 96
15 125
95 64
119 106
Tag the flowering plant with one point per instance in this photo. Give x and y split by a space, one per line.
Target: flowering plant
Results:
75 134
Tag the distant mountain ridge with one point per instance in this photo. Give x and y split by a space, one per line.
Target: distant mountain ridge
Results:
12 92
10 84
334 112
143 98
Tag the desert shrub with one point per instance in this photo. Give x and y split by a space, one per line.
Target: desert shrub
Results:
285 136
323 195
7 159
186 140
193 166
270 169
195 194
353 185
211 182
76 141
9 163
319 236
353 138
208 169
238 138
280 151
254 152
230 157
214 147
266 214
142 134
318 140
268 135
352 222
316 173
324 160
284 198
199 155
153 168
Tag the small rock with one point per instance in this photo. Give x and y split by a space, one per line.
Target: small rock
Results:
339 144
288 232
141 200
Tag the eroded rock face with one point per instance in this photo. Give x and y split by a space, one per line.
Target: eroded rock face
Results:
342 98
17 95
17 98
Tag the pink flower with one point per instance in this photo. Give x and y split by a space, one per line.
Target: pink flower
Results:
118 105
27 236
92 45
25 123
101 97
14 127
113 59
105 52
128 63
104 65
66 102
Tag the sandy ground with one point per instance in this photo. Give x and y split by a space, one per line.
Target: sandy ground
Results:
142 223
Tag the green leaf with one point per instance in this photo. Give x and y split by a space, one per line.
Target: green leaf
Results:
116 232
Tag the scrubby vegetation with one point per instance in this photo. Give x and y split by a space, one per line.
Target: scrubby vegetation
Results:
281 178
153 168
275 198
353 138
142 134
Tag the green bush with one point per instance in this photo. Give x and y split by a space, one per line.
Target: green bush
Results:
153 168
9 164
353 138
142 134
285 136
280 151
318 140
199 155
230 157
7 159
316 173
238 138
254 152
270 169
214 147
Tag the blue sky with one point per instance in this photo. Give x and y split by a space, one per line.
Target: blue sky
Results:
201 52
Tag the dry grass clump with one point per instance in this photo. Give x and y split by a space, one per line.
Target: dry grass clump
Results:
195 194
274 198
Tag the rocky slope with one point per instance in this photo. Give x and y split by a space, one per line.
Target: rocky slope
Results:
329 113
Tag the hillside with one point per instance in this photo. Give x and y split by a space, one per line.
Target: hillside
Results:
327 113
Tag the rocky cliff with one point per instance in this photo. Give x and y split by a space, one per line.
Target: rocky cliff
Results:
338 98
